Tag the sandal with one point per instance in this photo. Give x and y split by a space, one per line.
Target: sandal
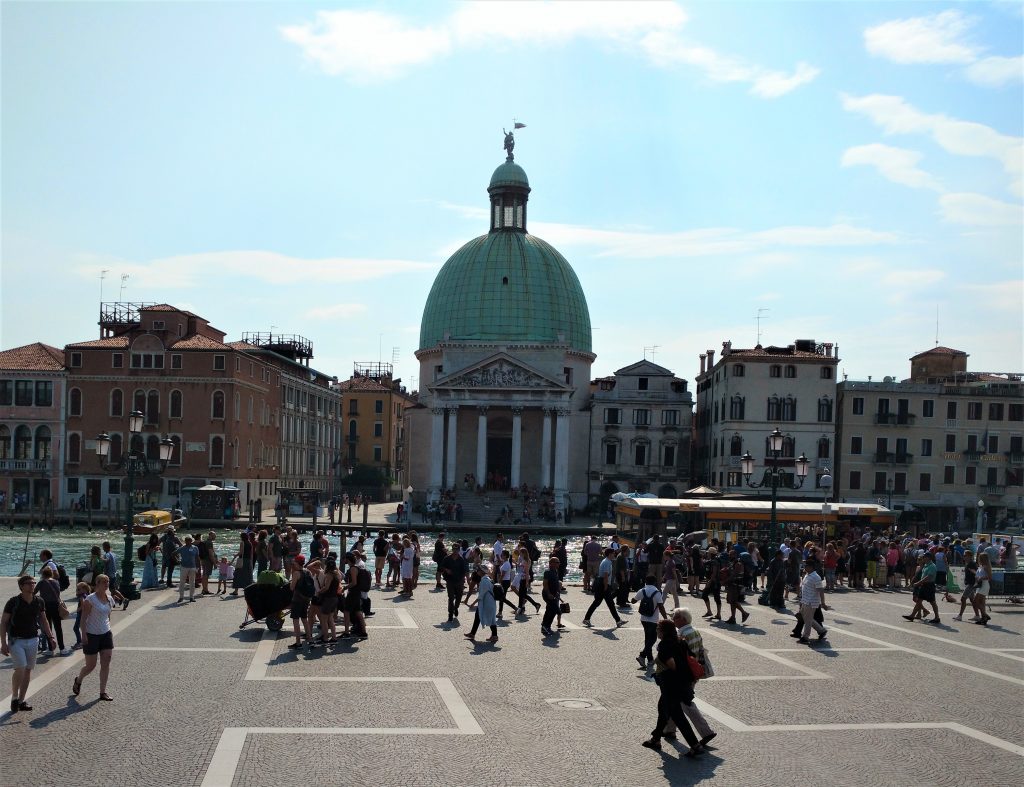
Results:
76 687
106 698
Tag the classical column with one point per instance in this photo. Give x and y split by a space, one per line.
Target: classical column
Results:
545 449
481 448
561 455
436 451
453 420
517 444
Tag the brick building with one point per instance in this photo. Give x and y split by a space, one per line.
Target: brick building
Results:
218 403
32 397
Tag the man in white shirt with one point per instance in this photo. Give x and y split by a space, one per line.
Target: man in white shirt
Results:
652 609
784 547
812 596
604 590
499 547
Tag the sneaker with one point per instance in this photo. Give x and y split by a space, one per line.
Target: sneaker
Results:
911 618
975 619
15 706
546 631
65 651
804 641
560 626
619 623
587 623
794 636
653 743
708 738
822 635
642 662
957 617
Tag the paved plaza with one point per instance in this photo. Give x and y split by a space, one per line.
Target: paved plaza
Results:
199 702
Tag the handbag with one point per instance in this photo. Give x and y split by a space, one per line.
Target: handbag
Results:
63 611
696 668
709 671
563 608
87 577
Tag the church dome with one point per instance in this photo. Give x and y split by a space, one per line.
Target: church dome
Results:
507 285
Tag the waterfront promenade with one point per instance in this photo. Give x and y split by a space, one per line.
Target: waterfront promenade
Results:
198 702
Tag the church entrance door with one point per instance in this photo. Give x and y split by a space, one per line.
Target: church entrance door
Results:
499 460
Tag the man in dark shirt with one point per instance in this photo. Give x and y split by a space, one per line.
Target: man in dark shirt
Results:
655 556
23 615
550 592
438 556
453 567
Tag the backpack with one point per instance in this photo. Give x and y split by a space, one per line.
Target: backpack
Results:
723 573
646 604
306 586
62 577
534 551
363 581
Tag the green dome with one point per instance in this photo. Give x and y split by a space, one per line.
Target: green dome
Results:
506 286
509 174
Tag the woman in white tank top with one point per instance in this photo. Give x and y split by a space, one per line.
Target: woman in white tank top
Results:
97 638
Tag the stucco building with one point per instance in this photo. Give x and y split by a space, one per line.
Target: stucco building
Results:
505 359
748 393
641 418
939 443
32 399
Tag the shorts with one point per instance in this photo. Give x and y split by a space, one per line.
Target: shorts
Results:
329 605
207 568
300 608
926 592
968 593
98 642
378 563
23 652
982 589
353 603
592 566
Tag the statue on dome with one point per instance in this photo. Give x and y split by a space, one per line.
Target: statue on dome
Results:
510 144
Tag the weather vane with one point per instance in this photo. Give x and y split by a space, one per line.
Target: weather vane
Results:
510 140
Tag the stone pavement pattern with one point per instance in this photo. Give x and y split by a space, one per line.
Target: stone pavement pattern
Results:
892 703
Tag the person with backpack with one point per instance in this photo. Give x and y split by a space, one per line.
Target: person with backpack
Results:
380 556
604 590
48 589
651 609
453 567
712 587
355 625
303 590
737 580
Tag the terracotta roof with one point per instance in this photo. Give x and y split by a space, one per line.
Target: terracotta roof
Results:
198 342
110 341
244 346
938 351
166 307
363 384
32 357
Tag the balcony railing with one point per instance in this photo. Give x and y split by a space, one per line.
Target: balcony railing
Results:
973 454
1015 457
24 465
894 419
993 489
885 457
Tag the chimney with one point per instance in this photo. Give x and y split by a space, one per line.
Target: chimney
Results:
711 359
702 359
828 349
726 348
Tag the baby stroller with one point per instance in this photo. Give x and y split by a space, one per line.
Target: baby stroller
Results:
266 602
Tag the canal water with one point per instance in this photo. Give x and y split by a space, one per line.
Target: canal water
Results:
70 546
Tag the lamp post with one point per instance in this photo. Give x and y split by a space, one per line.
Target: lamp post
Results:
773 477
979 523
408 505
888 488
825 482
133 463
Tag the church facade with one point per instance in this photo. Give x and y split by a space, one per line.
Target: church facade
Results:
505 360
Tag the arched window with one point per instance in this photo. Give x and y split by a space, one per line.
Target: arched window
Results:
153 407
175 405
788 447
790 371
116 447
826 372
789 409
738 370
238 406
153 447
737 408
176 453
774 409
217 452
42 447
248 455
352 428
217 405
823 447
775 371
138 445
249 413
116 403
825 410
22 442
5 442
234 452
74 448
75 401
736 445
139 400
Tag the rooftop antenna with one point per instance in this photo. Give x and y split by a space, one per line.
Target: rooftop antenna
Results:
103 275
380 344
652 349
759 318
936 325
124 283
396 353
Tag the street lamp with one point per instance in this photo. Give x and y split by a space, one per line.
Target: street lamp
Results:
979 524
773 477
888 488
825 482
133 463
408 505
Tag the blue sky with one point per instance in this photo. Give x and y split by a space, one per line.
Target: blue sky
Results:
853 168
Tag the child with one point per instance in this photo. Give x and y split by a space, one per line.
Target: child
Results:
82 590
225 573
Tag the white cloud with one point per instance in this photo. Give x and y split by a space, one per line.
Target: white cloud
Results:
922 39
941 38
960 137
366 46
194 270
996 71
668 49
897 164
337 311
1003 295
979 210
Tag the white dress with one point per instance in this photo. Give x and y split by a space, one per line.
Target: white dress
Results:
407 558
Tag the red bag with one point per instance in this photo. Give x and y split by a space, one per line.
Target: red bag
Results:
696 668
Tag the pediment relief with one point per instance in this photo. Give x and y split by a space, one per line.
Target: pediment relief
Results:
500 372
